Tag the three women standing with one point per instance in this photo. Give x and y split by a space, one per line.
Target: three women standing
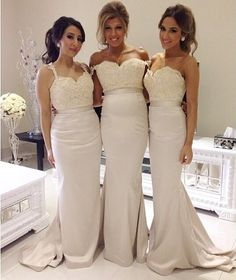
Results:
177 237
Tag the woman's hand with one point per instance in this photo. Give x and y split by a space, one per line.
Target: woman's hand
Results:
186 154
51 158
98 103
53 110
184 107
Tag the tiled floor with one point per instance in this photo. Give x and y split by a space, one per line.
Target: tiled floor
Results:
222 232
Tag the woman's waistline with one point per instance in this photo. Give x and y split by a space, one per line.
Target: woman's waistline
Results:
75 110
156 103
123 91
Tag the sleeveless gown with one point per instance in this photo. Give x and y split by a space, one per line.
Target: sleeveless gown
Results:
76 145
178 238
124 127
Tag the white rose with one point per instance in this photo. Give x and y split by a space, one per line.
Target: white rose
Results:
7 105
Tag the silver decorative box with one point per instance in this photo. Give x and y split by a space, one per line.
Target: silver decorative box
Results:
223 142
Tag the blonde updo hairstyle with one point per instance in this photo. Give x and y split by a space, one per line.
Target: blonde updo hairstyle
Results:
185 20
113 9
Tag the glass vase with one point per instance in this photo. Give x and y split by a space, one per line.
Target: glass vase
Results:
11 123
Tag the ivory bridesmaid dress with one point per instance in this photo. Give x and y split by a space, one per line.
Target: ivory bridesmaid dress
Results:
76 144
178 238
124 127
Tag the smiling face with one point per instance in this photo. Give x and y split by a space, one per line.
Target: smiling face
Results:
71 41
170 34
114 32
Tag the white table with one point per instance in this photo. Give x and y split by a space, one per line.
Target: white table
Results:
22 201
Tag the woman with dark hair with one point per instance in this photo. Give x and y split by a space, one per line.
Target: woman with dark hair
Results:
177 237
118 73
73 145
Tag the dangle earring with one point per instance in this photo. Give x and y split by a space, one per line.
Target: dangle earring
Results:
105 41
182 39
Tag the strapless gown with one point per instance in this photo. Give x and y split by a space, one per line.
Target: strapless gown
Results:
124 127
178 238
76 145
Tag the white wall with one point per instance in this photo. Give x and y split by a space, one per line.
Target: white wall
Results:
216 34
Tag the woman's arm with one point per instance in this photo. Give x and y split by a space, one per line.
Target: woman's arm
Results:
145 57
191 72
97 93
43 83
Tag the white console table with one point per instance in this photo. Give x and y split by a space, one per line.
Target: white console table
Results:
22 201
210 179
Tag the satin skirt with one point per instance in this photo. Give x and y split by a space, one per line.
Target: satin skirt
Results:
124 127
76 145
177 238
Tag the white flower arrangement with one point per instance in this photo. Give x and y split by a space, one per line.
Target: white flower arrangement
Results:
12 105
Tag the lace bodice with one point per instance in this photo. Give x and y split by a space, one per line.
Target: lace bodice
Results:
165 84
127 75
67 93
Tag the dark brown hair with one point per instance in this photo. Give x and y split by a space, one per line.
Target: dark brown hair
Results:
54 35
185 20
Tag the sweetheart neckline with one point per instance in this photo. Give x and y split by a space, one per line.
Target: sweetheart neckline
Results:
166 67
67 77
122 63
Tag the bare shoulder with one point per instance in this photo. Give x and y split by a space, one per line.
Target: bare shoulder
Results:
45 69
96 58
45 76
190 62
157 58
142 53
190 67
45 72
84 66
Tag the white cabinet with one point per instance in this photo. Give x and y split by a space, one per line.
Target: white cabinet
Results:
210 179
22 201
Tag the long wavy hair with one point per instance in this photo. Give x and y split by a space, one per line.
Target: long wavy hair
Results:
54 35
185 20
113 9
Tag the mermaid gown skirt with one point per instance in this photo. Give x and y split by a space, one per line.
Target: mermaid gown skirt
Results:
78 154
124 134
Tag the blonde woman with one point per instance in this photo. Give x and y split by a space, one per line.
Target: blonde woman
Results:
118 74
